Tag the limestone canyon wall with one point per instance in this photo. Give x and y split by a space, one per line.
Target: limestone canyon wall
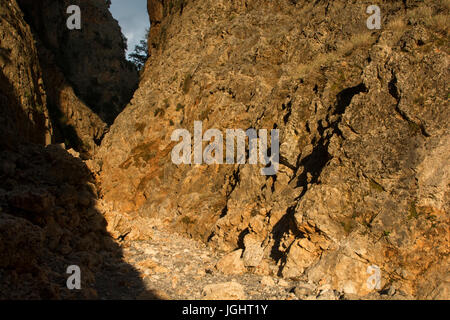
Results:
50 216
363 177
92 58
87 77
364 137
23 100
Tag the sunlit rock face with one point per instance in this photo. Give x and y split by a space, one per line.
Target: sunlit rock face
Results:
359 202
364 137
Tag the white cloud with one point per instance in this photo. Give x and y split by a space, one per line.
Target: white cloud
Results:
133 19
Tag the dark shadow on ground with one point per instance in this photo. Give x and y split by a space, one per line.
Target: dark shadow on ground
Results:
49 220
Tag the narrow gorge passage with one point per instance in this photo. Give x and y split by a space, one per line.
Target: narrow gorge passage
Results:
249 150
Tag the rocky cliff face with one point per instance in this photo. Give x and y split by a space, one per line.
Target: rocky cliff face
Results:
92 58
363 177
87 79
23 100
50 216
364 138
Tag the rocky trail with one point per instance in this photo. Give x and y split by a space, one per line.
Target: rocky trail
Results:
175 267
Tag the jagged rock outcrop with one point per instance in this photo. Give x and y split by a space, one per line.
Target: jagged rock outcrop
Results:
50 216
74 123
105 81
86 77
48 222
23 102
364 137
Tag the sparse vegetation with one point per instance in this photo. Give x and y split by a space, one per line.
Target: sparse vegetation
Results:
159 111
376 186
187 83
348 225
205 114
179 107
358 40
413 211
166 103
140 127
414 128
187 220
398 28
427 16
140 54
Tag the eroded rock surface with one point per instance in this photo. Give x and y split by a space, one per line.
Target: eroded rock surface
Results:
86 77
23 101
92 58
50 217
363 182
364 133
